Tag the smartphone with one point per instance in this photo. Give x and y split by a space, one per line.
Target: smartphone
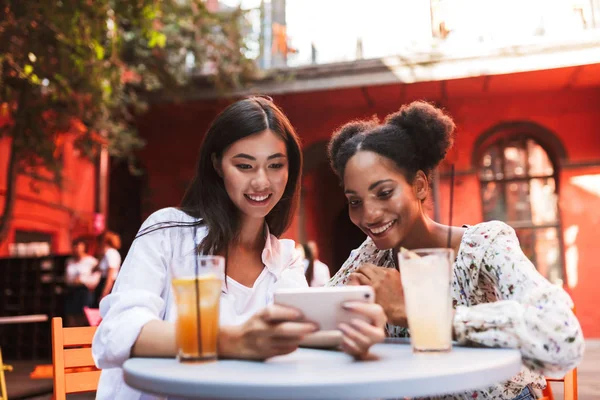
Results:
324 305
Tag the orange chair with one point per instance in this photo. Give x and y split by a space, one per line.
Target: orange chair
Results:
72 363
570 386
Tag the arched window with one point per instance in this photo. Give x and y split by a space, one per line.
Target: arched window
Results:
519 187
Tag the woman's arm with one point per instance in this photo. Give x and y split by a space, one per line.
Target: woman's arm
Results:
274 331
531 315
137 297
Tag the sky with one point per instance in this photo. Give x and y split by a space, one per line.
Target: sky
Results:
391 27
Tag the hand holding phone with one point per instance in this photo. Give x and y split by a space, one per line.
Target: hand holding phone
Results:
325 307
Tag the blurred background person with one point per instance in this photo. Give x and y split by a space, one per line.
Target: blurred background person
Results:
81 281
109 265
316 272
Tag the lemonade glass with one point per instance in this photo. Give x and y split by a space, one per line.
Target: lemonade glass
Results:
426 278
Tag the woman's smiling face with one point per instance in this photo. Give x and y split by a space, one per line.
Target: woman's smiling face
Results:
382 203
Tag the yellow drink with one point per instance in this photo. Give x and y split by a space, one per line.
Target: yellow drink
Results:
197 300
426 275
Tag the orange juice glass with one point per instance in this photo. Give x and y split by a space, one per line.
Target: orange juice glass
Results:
197 282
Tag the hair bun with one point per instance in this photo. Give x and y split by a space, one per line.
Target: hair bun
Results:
430 129
345 133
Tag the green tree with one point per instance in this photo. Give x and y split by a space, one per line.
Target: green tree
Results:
87 66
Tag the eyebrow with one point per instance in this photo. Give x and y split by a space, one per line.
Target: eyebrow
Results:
249 157
373 186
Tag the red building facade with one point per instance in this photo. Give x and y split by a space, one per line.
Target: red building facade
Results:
48 215
527 151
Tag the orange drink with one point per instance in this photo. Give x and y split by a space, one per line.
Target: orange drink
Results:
197 290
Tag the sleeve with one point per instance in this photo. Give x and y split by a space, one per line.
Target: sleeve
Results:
90 278
70 272
531 315
114 258
136 299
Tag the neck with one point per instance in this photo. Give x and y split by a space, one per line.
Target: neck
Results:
426 233
252 235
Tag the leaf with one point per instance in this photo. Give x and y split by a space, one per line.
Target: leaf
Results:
98 49
157 39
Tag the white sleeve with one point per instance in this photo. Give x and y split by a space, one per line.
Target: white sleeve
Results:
531 314
113 258
137 297
71 272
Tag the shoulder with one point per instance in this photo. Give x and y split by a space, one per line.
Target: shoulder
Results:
113 253
483 240
486 233
171 217
166 215
91 260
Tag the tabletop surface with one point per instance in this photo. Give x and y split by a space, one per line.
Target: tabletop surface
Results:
23 319
323 374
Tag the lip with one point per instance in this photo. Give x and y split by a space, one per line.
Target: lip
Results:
258 203
379 226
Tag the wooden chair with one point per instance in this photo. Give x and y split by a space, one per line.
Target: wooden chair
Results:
570 386
72 363
3 367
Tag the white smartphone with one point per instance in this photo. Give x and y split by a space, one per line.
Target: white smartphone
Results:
324 305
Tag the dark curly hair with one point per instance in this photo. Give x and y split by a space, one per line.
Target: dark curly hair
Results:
416 138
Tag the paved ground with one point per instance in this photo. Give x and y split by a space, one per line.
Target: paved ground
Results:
19 384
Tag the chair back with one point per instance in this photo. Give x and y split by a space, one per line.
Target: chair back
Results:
73 367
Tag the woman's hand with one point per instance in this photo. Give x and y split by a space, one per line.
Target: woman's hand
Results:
273 331
387 284
359 335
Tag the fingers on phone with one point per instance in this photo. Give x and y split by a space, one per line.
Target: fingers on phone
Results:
275 313
354 342
372 311
293 330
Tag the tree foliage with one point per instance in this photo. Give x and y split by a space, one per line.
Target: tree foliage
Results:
84 67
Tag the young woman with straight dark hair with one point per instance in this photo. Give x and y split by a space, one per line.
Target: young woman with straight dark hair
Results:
242 198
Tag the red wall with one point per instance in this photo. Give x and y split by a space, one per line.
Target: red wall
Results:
41 205
174 133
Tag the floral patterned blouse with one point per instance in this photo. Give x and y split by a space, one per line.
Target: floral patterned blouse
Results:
500 301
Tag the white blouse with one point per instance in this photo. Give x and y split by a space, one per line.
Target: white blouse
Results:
142 293
82 270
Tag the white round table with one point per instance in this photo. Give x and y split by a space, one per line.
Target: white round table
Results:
323 374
